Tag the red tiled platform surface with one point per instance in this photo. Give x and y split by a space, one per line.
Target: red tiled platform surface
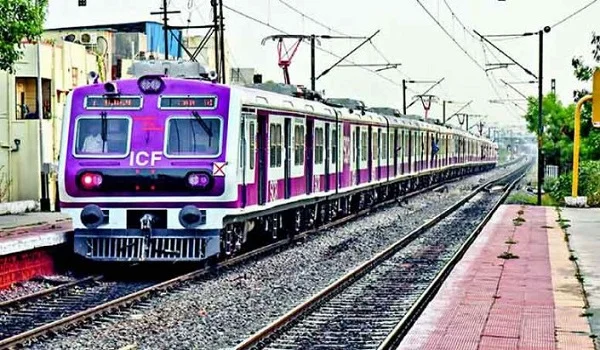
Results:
494 303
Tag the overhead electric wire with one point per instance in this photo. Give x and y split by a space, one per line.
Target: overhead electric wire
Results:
317 47
310 18
331 29
450 36
573 14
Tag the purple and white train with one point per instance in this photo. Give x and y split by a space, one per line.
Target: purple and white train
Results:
173 169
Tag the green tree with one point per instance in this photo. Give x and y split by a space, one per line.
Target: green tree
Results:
558 119
19 19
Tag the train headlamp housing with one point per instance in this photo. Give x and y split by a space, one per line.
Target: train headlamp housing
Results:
199 180
90 180
151 84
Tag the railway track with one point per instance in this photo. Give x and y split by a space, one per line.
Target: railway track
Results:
25 319
374 305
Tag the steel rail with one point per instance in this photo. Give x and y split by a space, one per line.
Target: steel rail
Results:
45 292
172 283
402 328
329 292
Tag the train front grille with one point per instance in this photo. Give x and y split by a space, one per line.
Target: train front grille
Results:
145 249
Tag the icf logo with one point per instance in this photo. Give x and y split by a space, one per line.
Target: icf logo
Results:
143 158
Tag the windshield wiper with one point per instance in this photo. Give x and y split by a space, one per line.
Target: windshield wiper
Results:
202 124
104 128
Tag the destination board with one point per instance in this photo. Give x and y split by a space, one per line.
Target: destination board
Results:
112 102
190 102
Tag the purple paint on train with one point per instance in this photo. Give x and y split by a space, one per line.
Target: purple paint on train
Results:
148 126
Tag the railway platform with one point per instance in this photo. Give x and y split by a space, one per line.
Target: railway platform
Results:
517 286
28 244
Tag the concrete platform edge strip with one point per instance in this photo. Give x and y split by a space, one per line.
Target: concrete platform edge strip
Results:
572 330
18 207
17 244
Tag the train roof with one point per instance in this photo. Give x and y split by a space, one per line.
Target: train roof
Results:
285 97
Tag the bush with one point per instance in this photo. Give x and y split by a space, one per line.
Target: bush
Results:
589 184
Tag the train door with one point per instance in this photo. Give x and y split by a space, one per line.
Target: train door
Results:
287 163
357 153
410 151
262 144
369 154
327 150
378 152
402 152
396 152
310 131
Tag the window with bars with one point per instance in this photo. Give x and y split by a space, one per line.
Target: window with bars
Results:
298 144
319 145
364 146
275 145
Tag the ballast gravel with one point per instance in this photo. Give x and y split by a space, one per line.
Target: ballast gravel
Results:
220 312
20 289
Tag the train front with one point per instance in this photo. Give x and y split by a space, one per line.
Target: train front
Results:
144 169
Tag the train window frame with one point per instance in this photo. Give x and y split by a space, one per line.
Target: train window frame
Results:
364 143
74 152
385 143
334 144
299 144
278 146
319 148
188 117
251 144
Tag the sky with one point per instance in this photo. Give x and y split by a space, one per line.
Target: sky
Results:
410 33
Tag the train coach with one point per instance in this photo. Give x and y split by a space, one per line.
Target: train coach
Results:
171 169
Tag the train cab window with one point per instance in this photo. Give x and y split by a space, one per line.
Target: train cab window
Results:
299 144
193 137
319 145
97 137
275 145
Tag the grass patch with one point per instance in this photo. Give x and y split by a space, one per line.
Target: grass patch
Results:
546 226
573 257
586 314
521 212
510 241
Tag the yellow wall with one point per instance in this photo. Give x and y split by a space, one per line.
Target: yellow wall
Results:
61 63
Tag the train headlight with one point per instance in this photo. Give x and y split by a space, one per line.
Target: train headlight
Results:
91 180
151 84
199 180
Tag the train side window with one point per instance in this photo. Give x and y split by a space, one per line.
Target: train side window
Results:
275 145
252 144
299 144
334 146
319 145
384 146
364 147
375 146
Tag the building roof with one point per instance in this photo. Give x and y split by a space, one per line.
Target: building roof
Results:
130 27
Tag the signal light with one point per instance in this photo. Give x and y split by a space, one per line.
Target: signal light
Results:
151 84
91 180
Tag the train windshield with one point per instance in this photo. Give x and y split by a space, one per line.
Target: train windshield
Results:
107 137
189 137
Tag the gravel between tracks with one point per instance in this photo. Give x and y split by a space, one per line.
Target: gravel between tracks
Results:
33 286
220 312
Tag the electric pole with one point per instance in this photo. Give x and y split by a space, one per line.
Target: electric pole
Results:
165 11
